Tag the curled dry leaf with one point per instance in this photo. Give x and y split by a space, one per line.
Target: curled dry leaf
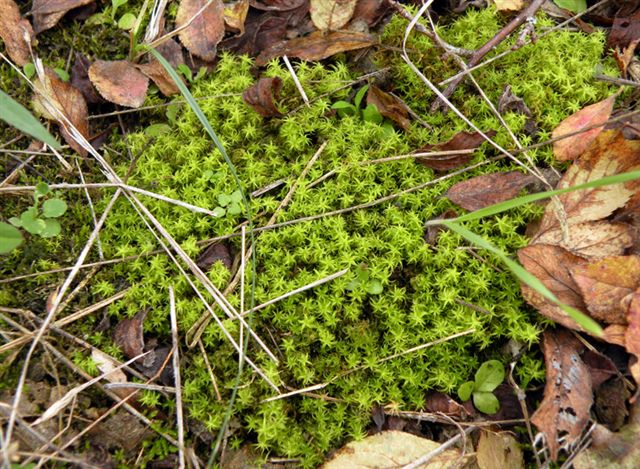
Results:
389 106
119 82
205 31
235 15
47 13
625 57
260 96
16 32
488 189
571 147
106 364
54 96
567 394
171 51
632 335
460 141
317 46
604 284
331 14
128 335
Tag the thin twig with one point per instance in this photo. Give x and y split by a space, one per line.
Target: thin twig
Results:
176 377
424 460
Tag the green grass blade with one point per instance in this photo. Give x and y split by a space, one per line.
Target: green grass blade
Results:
16 115
525 277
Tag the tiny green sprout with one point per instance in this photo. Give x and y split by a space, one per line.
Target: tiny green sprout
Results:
369 114
115 4
185 71
371 286
488 377
229 203
29 69
127 21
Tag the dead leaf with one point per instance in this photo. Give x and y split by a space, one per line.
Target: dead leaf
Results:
276 5
390 449
432 232
128 335
16 32
439 402
159 75
625 57
509 5
610 154
615 334
371 12
460 141
389 106
509 102
106 364
204 33
317 46
610 403
567 393
331 14
54 94
624 31
571 147
218 252
605 283
260 96
122 431
632 335
601 368
235 15
488 189
80 80
119 82
47 13
592 240
611 450
498 450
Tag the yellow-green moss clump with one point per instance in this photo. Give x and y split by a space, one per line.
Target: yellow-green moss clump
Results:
323 332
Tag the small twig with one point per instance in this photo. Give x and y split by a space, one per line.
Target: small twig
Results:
296 81
617 81
210 370
91 209
423 460
176 377
522 399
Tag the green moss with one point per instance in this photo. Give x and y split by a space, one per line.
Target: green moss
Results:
330 329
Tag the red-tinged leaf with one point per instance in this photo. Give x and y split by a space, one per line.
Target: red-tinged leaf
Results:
260 96
601 368
172 52
47 13
128 335
119 82
370 12
389 106
54 94
235 15
551 265
203 34
624 31
276 5
460 141
317 46
632 335
571 147
625 57
605 283
609 154
488 189
615 334
16 32
331 14
567 393
441 403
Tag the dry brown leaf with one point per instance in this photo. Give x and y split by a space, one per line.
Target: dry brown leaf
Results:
632 335
605 283
592 240
172 52
260 96
571 147
615 334
460 141
128 335
317 46
47 13
16 32
509 5
202 36
389 106
625 29
66 100
567 394
610 154
219 252
276 5
625 57
235 15
488 189
498 450
331 14
119 82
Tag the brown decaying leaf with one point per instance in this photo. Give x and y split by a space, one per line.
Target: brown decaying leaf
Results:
609 154
204 33
593 240
488 189
80 80
624 31
625 57
331 14
317 46
632 335
128 335
571 147
460 141
551 265
498 450
432 232
389 106
439 402
567 393
13 29
218 252
260 96
509 102
509 5
235 15
47 13
68 101
276 5
370 11
119 82
604 284
615 334
172 52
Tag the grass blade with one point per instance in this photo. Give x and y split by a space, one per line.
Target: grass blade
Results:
16 115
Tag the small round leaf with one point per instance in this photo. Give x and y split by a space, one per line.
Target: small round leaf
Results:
127 21
465 390
489 376
51 228
486 402
219 212
10 238
42 188
374 287
53 208
224 199
33 225
234 208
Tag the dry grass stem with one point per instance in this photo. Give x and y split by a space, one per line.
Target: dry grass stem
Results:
176 376
295 80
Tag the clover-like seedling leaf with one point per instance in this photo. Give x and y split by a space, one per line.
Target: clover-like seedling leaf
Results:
224 199
51 228
236 196
374 287
15 221
486 402
344 108
53 208
574 6
371 114
359 96
465 390
362 274
352 285
489 376
42 188
33 226
10 238
219 212
234 208
127 21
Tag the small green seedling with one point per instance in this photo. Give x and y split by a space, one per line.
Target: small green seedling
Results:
371 286
369 114
41 220
185 71
229 203
488 377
